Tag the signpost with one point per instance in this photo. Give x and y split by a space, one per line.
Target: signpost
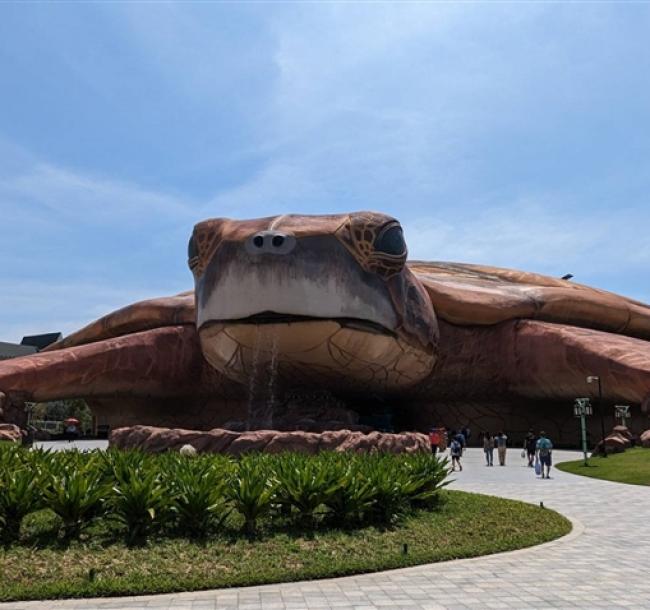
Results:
622 413
581 408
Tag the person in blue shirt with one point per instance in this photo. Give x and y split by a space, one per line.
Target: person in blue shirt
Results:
456 451
460 437
544 450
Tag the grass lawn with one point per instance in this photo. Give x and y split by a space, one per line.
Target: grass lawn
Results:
464 525
631 466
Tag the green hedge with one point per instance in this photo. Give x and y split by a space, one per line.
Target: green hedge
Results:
137 495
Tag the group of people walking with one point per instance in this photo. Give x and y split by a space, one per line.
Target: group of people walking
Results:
537 449
490 442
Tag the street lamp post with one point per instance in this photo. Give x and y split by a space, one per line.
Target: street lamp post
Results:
591 379
582 408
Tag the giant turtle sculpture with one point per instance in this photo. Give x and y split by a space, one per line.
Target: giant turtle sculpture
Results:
296 302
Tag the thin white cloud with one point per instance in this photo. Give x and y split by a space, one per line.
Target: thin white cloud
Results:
536 238
85 198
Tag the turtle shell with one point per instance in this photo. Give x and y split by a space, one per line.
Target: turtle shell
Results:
465 294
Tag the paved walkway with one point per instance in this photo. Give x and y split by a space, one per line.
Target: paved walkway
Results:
601 564
81 445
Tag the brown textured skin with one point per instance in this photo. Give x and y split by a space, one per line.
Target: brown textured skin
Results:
145 315
514 348
156 440
478 295
539 360
131 365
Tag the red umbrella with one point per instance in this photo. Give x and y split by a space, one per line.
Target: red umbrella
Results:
71 420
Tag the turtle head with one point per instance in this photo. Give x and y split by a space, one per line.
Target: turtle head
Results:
319 299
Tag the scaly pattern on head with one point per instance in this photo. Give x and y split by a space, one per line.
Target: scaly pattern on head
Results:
376 242
203 244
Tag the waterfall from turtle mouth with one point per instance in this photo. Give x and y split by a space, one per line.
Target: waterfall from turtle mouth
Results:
261 395
253 379
273 375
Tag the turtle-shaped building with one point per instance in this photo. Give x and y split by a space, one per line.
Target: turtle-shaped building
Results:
295 305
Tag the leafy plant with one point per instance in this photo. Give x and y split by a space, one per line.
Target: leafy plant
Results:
304 483
387 486
251 490
140 502
351 501
199 500
425 476
20 494
76 495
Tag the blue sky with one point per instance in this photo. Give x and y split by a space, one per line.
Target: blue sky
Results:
513 134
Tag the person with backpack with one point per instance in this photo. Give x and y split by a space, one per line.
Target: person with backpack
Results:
544 450
460 437
488 448
456 451
530 447
500 441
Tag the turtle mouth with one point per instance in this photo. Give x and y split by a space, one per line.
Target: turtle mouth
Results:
272 317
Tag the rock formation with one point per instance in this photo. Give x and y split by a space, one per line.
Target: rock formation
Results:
10 432
617 441
156 440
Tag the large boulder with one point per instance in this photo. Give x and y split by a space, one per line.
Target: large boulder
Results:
615 442
156 440
626 432
10 432
644 439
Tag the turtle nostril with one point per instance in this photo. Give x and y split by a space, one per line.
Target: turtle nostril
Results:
277 241
258 240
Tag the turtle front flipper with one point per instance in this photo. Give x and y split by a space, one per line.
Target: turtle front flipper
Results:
161 363
144 315
524 374
554 360
541 361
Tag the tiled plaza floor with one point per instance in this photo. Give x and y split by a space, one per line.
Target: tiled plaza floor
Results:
603 563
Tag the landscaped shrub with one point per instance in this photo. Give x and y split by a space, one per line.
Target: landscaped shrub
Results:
426 476
306 483
20 494
198 490
76 492
252 490
351 502
141 502
140 494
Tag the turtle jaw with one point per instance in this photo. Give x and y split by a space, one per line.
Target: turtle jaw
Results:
299 351
271 317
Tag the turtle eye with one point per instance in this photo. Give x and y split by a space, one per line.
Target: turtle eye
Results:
391 241
192 253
